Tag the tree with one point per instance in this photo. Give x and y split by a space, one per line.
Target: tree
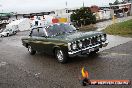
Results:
83 16
116 2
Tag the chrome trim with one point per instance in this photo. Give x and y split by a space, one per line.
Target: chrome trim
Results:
73 52
90 41
69 46
83 39
79 40
104 44
45 32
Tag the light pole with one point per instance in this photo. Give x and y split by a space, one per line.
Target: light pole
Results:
66 4
83 3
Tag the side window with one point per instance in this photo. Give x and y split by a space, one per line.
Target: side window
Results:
41 32
35 32
50 30
36 23
38 32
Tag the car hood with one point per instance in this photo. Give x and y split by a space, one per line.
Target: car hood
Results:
71 37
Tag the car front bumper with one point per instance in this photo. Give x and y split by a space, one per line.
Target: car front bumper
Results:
104 44
87 49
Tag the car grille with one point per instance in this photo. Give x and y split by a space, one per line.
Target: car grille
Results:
94 40
85 43
89 42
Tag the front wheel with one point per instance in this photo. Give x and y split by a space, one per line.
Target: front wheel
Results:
31 51
61 57
7 35
14 32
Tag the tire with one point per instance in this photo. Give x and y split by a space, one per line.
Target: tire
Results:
7 34
14 32
2 36
60 56
31 51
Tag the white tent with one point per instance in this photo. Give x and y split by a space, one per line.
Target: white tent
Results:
41 22
20 25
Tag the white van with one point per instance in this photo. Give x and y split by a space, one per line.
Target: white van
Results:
8 32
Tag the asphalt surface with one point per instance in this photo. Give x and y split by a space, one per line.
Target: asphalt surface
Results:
18 69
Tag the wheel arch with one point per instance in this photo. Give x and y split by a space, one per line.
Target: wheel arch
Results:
26 45
54 48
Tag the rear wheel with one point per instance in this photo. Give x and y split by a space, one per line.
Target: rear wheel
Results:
60 56
31 51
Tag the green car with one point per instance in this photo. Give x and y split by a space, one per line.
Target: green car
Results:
63 41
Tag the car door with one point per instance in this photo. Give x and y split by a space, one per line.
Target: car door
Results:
50 41
45 43
38 39
33 39
42 40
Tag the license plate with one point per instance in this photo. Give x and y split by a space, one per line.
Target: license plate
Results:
92 49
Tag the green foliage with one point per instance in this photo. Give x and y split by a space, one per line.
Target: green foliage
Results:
83 16
116 2
123 29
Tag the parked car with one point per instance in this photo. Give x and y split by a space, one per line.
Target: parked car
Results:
7 32
1 30
63 41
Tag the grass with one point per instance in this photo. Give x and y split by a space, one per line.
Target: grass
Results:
121 29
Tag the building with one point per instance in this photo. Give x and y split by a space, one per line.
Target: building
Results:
130 1
4 19
63 13
121 9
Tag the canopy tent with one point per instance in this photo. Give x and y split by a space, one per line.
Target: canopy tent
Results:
21 25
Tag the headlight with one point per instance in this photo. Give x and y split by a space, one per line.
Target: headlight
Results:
74 46
103 38
98 38
80 44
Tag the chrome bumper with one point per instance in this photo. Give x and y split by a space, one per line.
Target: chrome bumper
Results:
104 44
87 49
79 52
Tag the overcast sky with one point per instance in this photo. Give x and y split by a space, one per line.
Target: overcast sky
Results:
33 5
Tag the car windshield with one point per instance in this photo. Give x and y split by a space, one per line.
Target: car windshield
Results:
60 29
